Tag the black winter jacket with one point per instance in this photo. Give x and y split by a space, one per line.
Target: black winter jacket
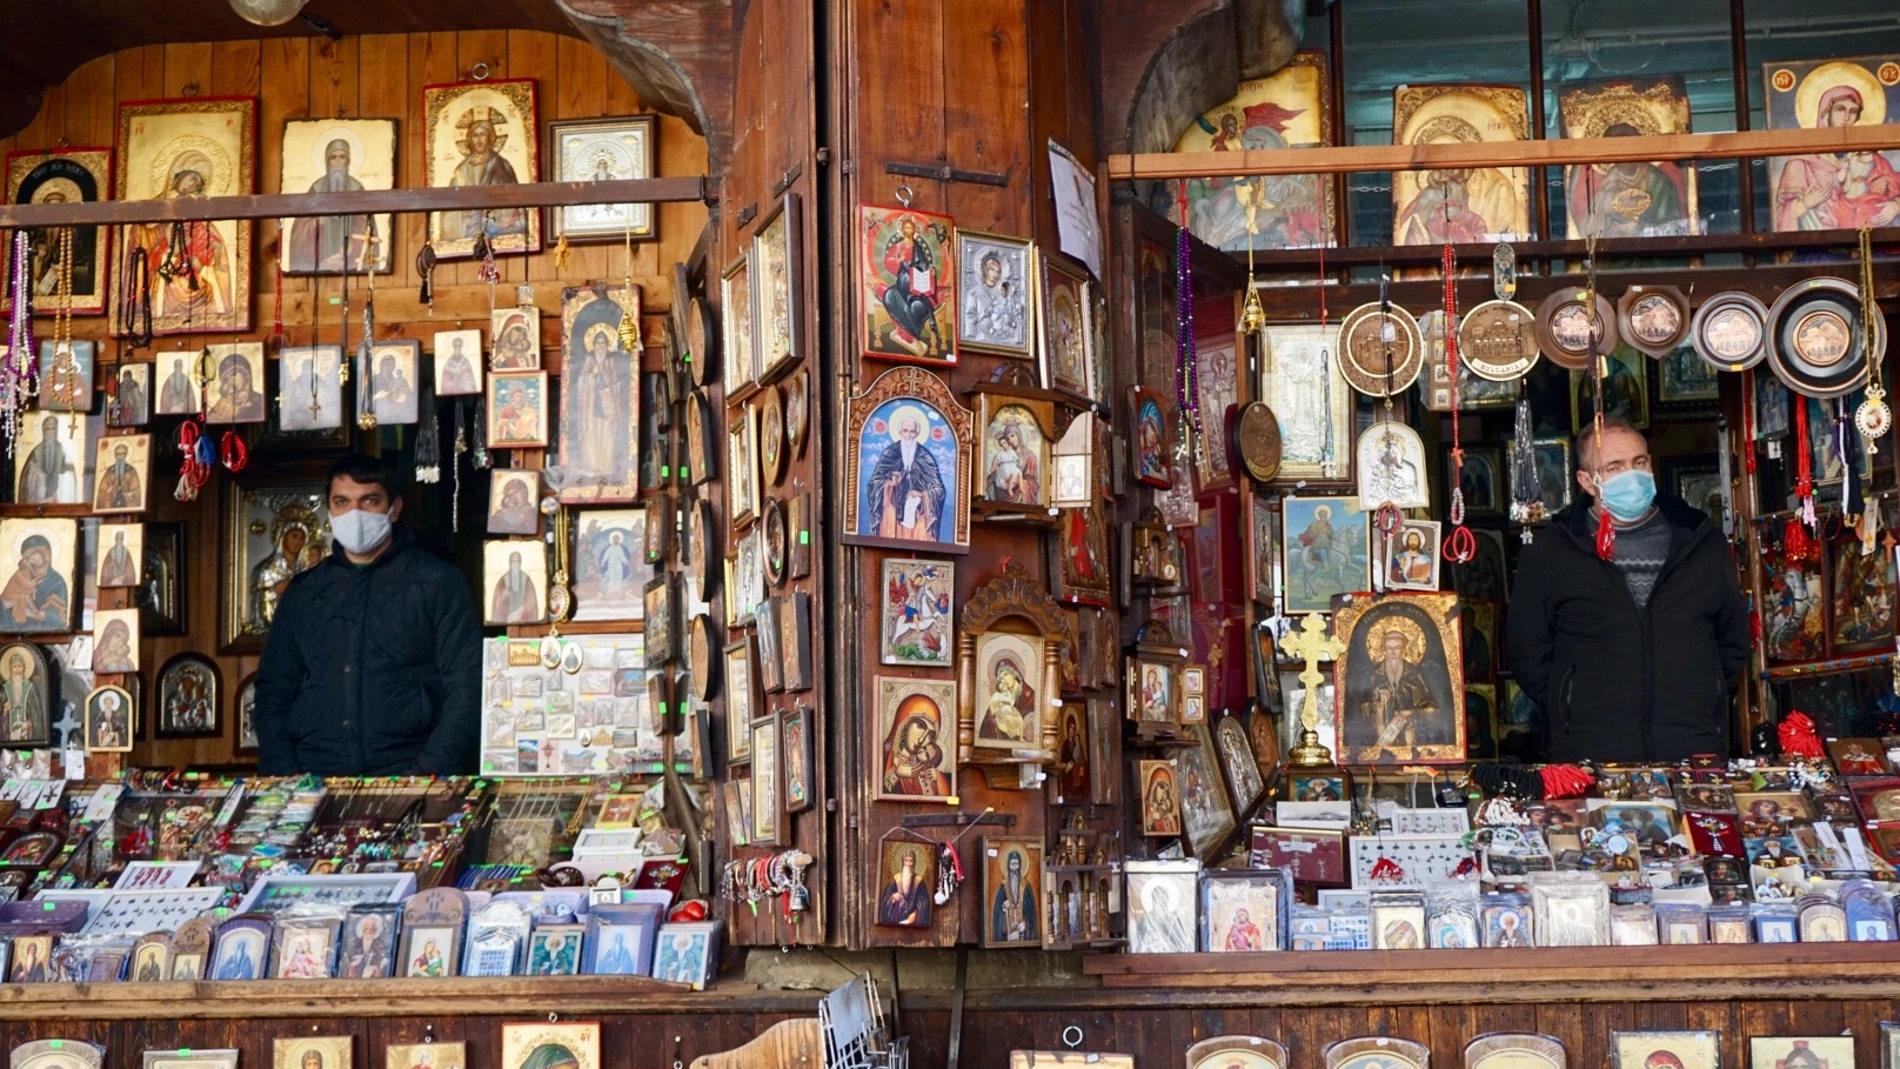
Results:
372 671
1618 683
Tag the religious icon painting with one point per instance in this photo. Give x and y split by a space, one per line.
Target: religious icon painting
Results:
304 949
337 156
744 699
63 176
26 696
122 473
1152 438
1485 204
235 393
1074 761
737 327
603 150
995 280
1794 618
1161 901
515 337
1677 1050
909 872
455 1055
128 394
186 150
1009 672
1015 452
1627 200
108 720
115 644
65 375
39 592
458 363
51 460
514 500
771 435
481 134
765 829
188 697
1245 780
1289 108
515 578
742 467
1327 551
312 1052
1401 682
1826 191
1207 818
778 288
1262 555
1302 382
795 629
310 389
31 960
1237 1052
1809 1052
916 730
393 385
542 1045
795 752
1862 600
1064 320
1160 799
600 397
797 411
1392 467
179 393
1412 556
518 410
610 569
1243 912
1625 390
1082 552
1011 891
908 276
701 444
273 532
59 1053
910 469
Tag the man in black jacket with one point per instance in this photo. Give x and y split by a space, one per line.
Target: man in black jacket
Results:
1628 659
373 665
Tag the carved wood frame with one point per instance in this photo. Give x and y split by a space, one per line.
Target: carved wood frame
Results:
1012 594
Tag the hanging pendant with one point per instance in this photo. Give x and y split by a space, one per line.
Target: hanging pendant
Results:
1504 271
551 653
1874 417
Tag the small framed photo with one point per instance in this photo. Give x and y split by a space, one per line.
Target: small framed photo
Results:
555 950
312 1052
1161 904
128 395
303 949
424 1056
688 953
1412 556
518 410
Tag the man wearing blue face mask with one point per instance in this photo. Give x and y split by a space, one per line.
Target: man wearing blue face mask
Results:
373 664
1629 655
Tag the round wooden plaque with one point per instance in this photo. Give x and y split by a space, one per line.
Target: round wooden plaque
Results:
1367 335
1653 319
1497 340
1814 338
777 541
1730 331
797 410
1257 435
699 653
772 435
699 336
1564 328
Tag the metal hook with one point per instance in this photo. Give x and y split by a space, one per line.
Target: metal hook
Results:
905 194
479 72
1072 1036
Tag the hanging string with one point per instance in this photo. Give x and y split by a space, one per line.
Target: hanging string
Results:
1606 529
275 343
425 270
1804 462
1187 375
1460 546
1748 420
135 299
18 371
455 463
428 438
366 387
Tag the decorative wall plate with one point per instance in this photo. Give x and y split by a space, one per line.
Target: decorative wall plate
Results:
1730 331
1653 319
699 335
1257 440
1221 1052
1497 340
1564 329
1364 1052
1504 1050
699 653
1814 338
777 541
1382 348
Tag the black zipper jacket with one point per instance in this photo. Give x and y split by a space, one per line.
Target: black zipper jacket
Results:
372 671
1614 682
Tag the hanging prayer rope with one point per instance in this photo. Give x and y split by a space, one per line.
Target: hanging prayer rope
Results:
1606 530
1187 374
1460 546
18 369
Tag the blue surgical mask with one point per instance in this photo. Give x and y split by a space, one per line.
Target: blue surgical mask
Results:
360 530
1627 494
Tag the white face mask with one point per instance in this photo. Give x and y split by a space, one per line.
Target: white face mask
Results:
360 530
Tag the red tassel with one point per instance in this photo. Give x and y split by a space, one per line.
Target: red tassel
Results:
1795 543
1606 535
1796 733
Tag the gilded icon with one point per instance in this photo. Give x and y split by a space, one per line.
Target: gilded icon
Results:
274 532
909 874
917 612
916 733
196 274
600 397
63 176
911 465
1012 902
1827 190
39 593
109 720
481 134
1627 199
908 278
312 1052
123 473
994 316
1290 108
603 150
1459 205
1401 680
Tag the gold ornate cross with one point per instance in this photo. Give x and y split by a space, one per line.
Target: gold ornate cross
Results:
1312 644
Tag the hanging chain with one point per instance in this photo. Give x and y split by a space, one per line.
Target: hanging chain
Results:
1460 546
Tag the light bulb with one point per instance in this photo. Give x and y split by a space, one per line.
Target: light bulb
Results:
268 12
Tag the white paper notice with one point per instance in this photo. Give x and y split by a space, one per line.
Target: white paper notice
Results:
1077 223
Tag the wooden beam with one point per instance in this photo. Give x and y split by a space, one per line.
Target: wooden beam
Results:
303 205
1675 147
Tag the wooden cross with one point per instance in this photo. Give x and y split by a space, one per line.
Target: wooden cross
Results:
1312 644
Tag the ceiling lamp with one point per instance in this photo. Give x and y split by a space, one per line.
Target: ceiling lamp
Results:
268 12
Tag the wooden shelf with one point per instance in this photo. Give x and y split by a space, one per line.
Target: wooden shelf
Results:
529 996
1531 975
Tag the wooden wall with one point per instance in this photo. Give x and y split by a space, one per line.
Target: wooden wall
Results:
379 76
775 142
978 85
